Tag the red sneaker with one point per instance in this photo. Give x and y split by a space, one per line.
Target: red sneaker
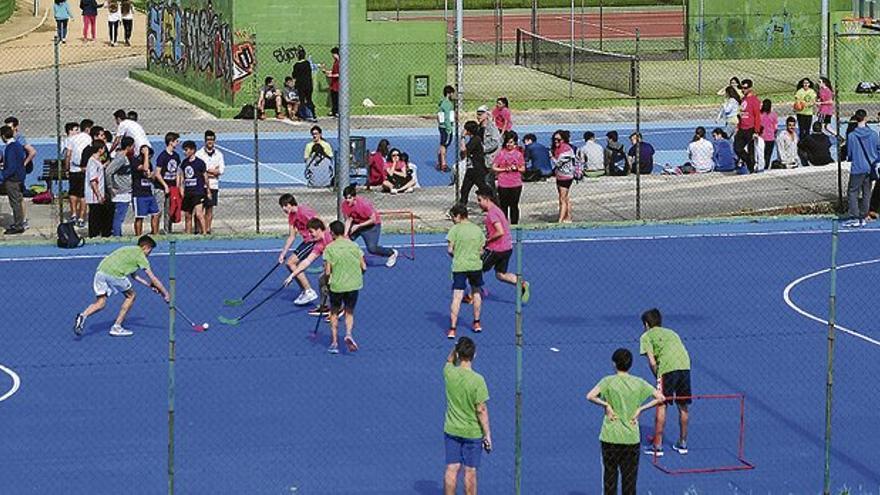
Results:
450 334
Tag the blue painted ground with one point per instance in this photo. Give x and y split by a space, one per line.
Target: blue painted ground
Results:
281 153
261 408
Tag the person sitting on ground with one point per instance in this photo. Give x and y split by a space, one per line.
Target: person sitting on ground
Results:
376 174
270 98
616 163
723 156
591 156
700 152
413 171
815 149
537 156
398 177
320 169
787 145
645 159
290 98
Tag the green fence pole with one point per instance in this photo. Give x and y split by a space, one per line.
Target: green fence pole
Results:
829 381
836 45
172 287
517 478
59 155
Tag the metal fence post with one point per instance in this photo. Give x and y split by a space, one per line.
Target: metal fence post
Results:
344 133
255 83
702 40
459 93
829 380
837 121
59 156
172 357
517 476
571 51
638 132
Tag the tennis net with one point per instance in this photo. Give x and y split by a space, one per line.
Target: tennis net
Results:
601 69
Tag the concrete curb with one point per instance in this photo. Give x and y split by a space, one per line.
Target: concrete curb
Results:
29 31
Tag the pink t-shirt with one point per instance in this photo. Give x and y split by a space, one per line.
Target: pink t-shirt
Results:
361 211
377 169
503 119
509 158
769 125
503 243
299 219
322 243
825 94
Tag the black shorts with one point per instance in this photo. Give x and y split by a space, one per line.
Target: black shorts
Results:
460 280
78 184
191 200
825 119
677 384
564 183
497 260
339 299
445 137
212 201
398 181
303 250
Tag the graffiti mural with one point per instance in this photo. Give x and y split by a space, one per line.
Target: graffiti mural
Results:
198 40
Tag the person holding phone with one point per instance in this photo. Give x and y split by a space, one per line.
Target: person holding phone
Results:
466 429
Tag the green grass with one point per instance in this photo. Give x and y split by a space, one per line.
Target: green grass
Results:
385 5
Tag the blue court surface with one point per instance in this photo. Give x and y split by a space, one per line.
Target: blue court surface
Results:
281 154
262 408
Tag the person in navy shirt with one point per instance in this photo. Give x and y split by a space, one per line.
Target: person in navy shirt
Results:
723 156
193 178
145 205
12 175
30 153
167 165
537 157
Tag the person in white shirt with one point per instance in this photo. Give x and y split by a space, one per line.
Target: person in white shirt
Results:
100 209
76 144
700 152
591 156
213 158
143 152
787 144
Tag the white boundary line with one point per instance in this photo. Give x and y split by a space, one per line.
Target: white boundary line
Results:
786 296
16 383
276 170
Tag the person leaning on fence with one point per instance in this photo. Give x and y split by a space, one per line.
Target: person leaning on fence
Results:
12 176
622 396
63 16
749 128
445 123
538 164
815 149
591 156
466 428
804 105
509 166
722 154
787 145
862 153
616 163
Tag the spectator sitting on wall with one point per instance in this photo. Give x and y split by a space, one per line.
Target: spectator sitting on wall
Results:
270 98
591 156
815 149
290 98
616 163
787 146
376 174
317 138
537 156
645 158
723 155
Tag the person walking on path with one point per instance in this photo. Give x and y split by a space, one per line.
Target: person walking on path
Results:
90 15
466 427
127 11
63 16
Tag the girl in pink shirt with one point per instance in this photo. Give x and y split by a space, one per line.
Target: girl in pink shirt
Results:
501 115
509 165
377 164
826 104
769 125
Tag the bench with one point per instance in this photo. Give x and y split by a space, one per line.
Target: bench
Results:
50 172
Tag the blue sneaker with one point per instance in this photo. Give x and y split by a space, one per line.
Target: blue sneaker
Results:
680 447
656 451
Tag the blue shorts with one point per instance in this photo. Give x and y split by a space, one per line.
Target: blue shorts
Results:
303 250
466 451
145 206
461 279
445 137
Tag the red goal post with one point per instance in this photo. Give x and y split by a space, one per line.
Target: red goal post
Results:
404 221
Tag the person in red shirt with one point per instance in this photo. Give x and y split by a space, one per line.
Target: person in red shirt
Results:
333 80
749 128
298 217
363 220
499 243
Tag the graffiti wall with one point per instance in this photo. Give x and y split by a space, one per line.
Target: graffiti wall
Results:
195 45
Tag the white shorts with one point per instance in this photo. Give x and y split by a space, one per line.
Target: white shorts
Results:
105 285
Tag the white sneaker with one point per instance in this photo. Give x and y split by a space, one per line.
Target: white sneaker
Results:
306 297
854 223
391 259
118 331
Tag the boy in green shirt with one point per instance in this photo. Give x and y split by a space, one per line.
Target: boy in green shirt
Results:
622 395
112 276
671 364
344 265
445 122
465 242
466 428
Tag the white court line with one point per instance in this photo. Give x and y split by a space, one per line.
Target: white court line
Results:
276 170
16 382
786 296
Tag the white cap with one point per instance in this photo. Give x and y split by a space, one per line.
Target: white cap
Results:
482 109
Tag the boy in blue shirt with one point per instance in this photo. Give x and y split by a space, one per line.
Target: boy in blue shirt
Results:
12 176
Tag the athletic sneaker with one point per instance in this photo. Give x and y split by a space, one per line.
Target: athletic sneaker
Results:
79 324
306 297
118 331
391 259
656 451
854 223
319 311
680 447
450 334
526 292
477 327
333 349
351 344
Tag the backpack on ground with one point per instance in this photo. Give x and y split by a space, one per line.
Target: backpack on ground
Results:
43 198
248 112
67 236
320 171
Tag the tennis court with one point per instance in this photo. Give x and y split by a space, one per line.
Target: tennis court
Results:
262 408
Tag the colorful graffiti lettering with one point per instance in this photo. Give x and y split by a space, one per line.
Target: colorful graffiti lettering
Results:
197 40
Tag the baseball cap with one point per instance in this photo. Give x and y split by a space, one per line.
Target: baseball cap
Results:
482 109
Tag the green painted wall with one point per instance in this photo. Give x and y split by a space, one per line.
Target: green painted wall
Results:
7 7
756 28
206 46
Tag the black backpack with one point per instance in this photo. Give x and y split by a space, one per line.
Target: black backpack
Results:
67 236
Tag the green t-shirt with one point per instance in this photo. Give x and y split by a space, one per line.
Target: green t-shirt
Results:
467 246
808 96
465 388
625 394
445 114
667 348
124 261
344 257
